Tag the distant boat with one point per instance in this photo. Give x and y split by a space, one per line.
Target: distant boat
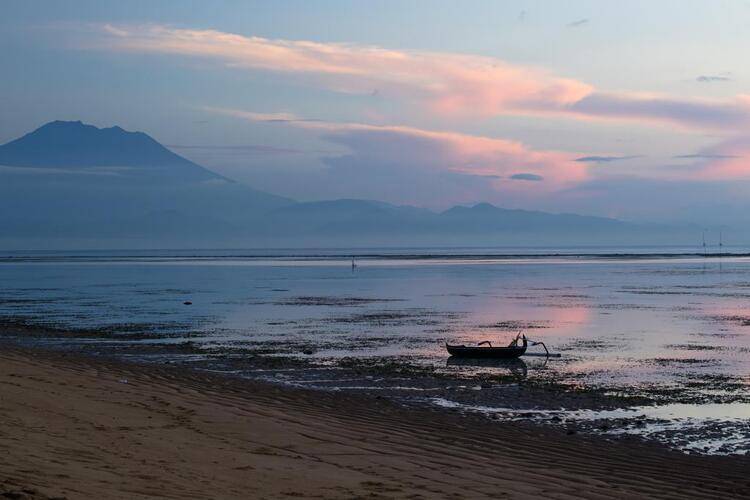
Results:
512 351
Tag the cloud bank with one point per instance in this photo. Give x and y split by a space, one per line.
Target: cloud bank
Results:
605 159
526 177
576 24
446 83
712 78
433 168
491 158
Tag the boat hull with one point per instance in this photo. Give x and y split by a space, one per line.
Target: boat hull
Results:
485 352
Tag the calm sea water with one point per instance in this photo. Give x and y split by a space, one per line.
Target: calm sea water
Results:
666 322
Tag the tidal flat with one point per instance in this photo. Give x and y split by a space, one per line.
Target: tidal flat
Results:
654 347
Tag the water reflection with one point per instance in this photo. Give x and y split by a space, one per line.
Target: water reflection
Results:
674 322
516 367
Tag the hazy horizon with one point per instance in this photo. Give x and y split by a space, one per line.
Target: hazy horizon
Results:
71 185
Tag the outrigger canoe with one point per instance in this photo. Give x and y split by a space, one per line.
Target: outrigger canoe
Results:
512 351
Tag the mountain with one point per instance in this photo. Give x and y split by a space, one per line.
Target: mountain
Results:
69 180
76 145
347 217
362 217
371 223
68 184
484 216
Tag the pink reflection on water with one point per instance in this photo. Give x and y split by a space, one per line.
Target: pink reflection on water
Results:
501 320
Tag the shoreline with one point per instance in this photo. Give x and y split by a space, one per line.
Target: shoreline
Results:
382 373
82 427
497 397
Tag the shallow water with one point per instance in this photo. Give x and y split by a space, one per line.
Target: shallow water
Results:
705 428
673 328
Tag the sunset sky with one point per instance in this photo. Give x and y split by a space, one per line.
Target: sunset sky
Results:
638 110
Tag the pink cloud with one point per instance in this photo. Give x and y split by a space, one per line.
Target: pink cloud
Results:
654 108
729 160
496 160
447 83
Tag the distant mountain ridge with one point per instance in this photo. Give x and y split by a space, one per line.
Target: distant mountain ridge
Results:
488 216
68 181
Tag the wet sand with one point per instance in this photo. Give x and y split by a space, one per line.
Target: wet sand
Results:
79 427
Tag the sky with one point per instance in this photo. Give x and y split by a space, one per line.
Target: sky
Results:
638 110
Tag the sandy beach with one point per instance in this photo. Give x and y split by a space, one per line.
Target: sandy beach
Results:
78 427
